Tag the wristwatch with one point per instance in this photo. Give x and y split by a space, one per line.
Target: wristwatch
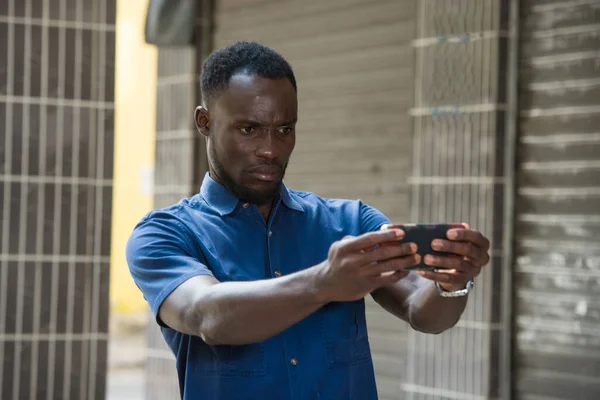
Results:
457 293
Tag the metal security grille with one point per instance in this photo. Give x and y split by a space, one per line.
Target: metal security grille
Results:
557 266
56 152
459 176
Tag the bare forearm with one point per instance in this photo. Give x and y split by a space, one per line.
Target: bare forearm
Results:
248 312
416 301
431 313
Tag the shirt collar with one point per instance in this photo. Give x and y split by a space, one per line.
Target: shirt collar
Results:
222 200
288 200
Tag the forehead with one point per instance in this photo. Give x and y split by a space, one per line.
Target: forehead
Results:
257 98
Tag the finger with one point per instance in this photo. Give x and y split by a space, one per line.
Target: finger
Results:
372 239
347 237
390 277
453 277
395 264
450 276
461 264
389 226
468 235
383 253
465 249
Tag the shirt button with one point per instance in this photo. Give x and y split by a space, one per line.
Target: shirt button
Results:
246 205
293 361
277 273
270 233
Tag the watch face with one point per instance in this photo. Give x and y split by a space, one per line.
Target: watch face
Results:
457 293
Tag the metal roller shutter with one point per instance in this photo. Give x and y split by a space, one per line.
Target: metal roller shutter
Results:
557 271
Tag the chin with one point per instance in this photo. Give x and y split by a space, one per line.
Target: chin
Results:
267 184
259 193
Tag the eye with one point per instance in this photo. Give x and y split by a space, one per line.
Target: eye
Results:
286 130
248 130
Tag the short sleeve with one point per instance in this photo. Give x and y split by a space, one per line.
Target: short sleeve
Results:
161 256
371 219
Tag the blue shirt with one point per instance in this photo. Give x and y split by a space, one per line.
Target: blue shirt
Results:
324 356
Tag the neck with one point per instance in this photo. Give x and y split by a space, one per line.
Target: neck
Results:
213 175
265 210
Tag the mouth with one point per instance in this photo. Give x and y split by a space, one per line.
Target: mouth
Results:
267 173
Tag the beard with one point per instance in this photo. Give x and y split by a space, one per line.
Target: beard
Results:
244 193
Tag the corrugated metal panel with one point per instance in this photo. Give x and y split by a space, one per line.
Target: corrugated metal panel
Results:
557 314
354 67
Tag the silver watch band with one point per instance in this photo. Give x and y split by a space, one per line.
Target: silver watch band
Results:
457 293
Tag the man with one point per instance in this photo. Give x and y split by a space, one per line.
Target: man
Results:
260 289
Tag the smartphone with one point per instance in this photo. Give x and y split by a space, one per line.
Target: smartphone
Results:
422 235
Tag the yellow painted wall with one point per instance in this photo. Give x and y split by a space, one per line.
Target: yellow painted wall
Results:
135 109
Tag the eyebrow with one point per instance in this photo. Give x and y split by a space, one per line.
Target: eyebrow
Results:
246 122
293 121
254 122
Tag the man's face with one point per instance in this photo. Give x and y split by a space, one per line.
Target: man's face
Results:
251 135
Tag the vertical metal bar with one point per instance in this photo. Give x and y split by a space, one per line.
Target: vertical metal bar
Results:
74 206
98 92
505 389
57 204
35 361
8 124
21 264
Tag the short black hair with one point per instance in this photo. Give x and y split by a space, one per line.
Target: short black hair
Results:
242 57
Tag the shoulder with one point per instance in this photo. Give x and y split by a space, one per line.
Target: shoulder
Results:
335 207
181 213
168 223
355 215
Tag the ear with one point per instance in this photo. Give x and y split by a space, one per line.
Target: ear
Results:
202 120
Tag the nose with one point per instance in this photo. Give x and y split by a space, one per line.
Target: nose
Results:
267 147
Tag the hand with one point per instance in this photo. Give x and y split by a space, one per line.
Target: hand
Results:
470 249
356 266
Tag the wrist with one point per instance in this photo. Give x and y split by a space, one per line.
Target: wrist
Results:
320 289
452 287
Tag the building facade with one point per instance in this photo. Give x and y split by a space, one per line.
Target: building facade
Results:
482 111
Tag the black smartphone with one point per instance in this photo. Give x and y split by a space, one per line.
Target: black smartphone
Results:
422 235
